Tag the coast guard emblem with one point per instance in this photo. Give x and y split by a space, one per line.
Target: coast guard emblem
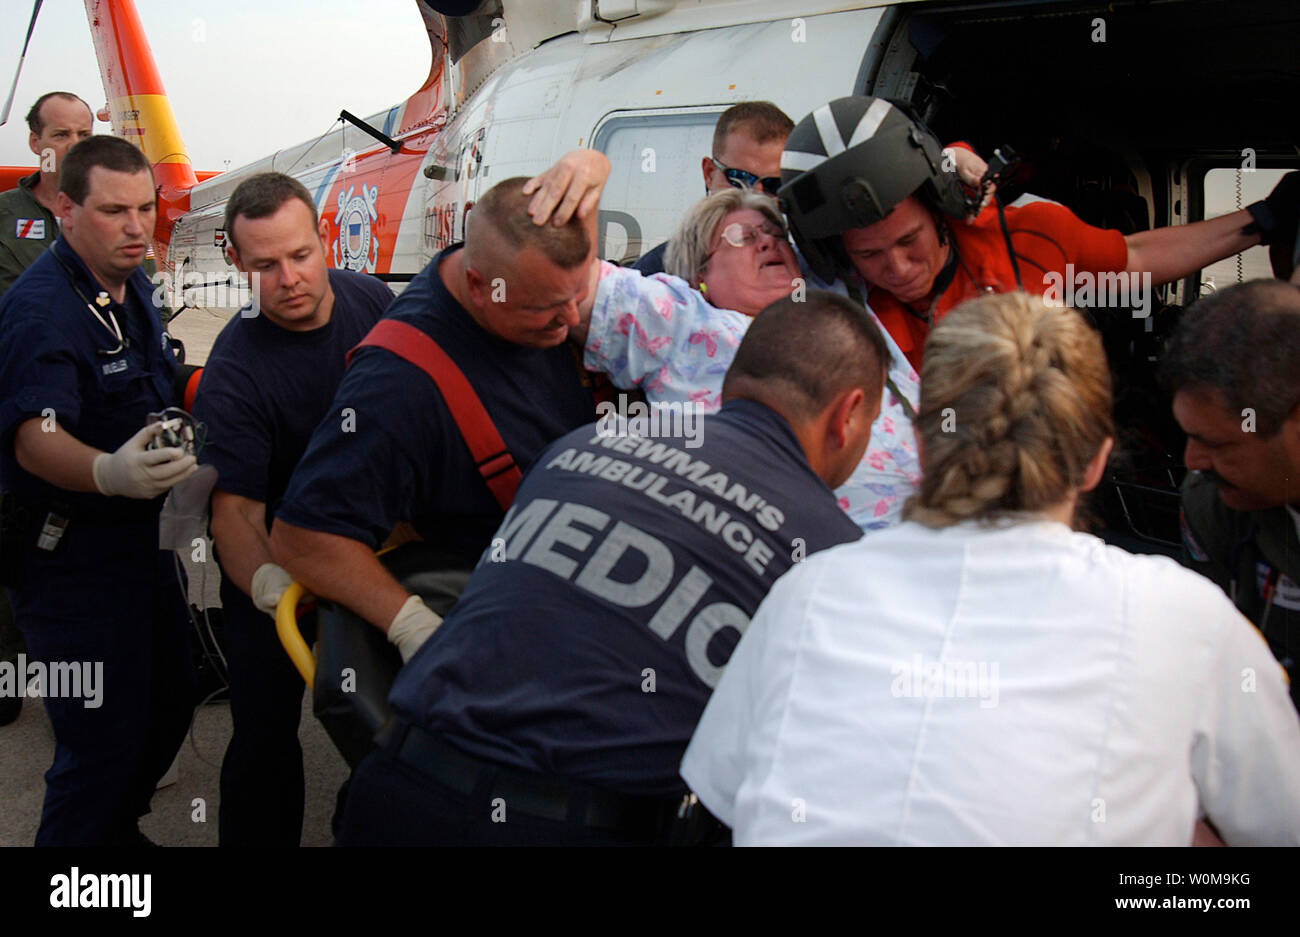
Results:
354 246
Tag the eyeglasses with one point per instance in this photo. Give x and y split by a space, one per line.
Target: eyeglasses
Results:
742 235
747 180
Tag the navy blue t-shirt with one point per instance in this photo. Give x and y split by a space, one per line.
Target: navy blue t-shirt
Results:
652 261
265 389
57 360
389 451
598 621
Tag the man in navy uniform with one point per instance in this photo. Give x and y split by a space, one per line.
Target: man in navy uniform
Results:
82 364
500 307
556 701
268 382
747 143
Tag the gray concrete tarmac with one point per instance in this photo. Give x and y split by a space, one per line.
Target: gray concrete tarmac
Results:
27 748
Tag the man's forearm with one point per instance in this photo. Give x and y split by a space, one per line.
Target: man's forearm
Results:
56 457
1176 251
242 545
339 569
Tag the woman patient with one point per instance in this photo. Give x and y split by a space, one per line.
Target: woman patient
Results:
674 336
983 673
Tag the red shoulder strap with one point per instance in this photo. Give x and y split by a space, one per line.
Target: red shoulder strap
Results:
494 461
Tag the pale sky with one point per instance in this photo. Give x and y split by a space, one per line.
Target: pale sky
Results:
245 77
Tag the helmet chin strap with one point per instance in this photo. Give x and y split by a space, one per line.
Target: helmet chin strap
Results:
949 270
944 277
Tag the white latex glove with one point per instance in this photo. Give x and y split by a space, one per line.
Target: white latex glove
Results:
269 583
411 626
136 471
970 166
970 170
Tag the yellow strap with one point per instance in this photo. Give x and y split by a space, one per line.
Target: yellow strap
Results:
286 626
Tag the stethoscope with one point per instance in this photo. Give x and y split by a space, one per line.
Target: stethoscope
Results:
110 323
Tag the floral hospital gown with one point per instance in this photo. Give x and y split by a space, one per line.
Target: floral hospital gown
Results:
658 334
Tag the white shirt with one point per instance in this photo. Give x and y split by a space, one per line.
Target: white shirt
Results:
1021 685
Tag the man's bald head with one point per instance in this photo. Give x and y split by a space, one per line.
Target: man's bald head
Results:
524 282
819 363
499 228
797 356
36 120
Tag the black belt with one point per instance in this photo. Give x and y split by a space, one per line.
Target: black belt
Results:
531 794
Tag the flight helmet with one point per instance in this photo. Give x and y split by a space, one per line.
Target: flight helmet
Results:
847 164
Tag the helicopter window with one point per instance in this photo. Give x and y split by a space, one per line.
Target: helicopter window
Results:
1226 190
655 176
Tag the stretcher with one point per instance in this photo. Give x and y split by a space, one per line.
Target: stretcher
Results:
352 667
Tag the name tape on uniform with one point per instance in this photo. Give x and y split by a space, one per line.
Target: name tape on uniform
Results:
1286 592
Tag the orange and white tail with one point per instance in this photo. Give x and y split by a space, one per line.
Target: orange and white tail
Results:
139 108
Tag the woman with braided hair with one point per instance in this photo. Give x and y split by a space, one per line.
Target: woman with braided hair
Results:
985 674
1015 414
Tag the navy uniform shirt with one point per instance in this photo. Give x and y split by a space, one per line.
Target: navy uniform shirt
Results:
57 359
652 261
600 618
388 449
265 388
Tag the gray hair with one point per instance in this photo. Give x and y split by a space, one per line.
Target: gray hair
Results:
688 250
1244 342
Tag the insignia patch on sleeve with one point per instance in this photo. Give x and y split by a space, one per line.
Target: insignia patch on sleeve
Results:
1272 584
1288 594
32 229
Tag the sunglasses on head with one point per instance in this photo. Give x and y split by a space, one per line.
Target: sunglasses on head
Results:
747 180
